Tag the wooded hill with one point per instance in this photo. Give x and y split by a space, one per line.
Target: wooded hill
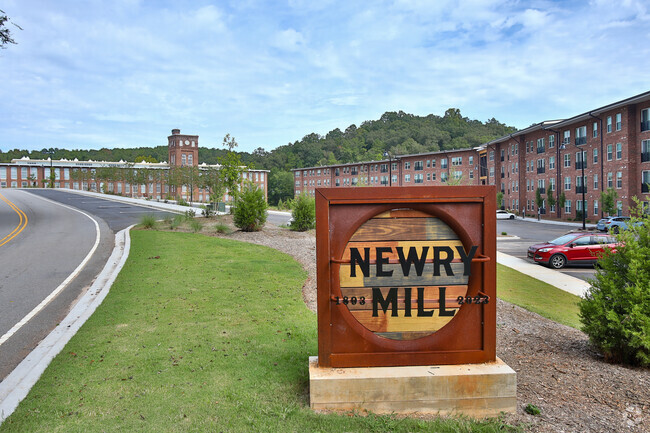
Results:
396 132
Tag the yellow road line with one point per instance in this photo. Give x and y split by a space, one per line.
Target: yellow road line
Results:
21 224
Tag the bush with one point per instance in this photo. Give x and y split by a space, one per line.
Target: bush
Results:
249 210
190 213
304 213
177 221
148 221
182 202
615 311
196 226
222 229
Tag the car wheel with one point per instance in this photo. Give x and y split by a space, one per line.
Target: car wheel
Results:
512 217
557 261
614 230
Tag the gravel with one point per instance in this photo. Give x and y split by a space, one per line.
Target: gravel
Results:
557 370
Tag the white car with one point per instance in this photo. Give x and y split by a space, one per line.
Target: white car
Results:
505 215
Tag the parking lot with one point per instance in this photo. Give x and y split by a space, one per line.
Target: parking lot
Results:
523 233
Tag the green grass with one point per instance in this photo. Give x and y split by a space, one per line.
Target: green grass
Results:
148 221
537 296
187 340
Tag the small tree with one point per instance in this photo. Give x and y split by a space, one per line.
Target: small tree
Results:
249 211
614 313
550 198
539 201
608 199
561 201
304 213
499 199
231 167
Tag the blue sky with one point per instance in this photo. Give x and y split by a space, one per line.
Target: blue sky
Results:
88 74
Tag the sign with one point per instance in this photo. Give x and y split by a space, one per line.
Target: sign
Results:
406 275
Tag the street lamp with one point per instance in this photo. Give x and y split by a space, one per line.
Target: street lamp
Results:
584 186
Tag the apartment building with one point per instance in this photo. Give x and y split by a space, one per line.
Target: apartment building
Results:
607 147
141 180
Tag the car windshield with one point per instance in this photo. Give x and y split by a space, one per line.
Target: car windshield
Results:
563 239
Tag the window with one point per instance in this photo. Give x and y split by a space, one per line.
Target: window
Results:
457 160
551 141
458 174
433 176
23 172
619 150
471 160
595 156
609 123
3 173
407 165
594 130
471 174
183 159
419 165
567 137
407 178
14 173
610 152
418 178
619 179
551 162
540 145
492 155
581 135
428 176
567 183
393 166
433 163
567 160
428 163
619 208
567 206
394 179
595 181
645 120
619 124
443 163
551 182
384 167
443 177
595 207
610 180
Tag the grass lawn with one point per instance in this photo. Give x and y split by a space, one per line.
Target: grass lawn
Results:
198 334
537 296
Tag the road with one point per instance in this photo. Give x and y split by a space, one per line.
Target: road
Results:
529 233
43 243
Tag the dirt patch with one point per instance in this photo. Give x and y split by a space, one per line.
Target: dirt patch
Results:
557 370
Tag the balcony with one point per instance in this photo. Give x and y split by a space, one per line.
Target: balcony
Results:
541 190
541 149
581 189
581 140
581 164
645 156
502 175
645 126
541 170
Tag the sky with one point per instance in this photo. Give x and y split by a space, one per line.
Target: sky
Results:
89 74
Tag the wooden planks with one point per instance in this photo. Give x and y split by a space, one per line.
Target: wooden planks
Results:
379 281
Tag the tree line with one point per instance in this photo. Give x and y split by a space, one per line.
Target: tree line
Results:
398 133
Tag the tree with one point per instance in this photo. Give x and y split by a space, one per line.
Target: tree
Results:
280 186
608 199
561 201
5 33
499 199
614 312
539 201
303 213
231 167
550 198
249 210
211 180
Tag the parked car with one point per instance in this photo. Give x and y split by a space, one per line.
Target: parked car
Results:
572 248
604 223
620 224
505 215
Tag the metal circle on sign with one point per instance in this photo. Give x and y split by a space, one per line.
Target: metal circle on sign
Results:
404 275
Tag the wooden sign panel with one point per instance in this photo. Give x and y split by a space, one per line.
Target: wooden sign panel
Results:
406 276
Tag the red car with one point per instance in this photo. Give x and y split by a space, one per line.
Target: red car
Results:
574 248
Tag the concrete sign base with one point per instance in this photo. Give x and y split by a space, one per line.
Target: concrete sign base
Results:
475 390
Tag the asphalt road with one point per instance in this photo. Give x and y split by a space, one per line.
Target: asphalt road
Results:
531 232
41 244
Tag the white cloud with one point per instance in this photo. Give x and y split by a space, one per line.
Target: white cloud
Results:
289 40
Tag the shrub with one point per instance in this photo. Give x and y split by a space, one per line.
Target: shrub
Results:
190 213
207 210
177 221
304 213
222 228
196 226
148 221
249 210
182 202
614 313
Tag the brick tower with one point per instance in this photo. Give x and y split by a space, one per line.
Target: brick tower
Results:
183 149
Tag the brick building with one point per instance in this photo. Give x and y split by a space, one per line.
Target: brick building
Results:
610 144
142 180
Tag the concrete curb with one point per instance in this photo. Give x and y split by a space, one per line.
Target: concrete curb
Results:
19 382
562 281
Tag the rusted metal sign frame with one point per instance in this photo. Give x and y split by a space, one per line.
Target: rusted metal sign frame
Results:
470 337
